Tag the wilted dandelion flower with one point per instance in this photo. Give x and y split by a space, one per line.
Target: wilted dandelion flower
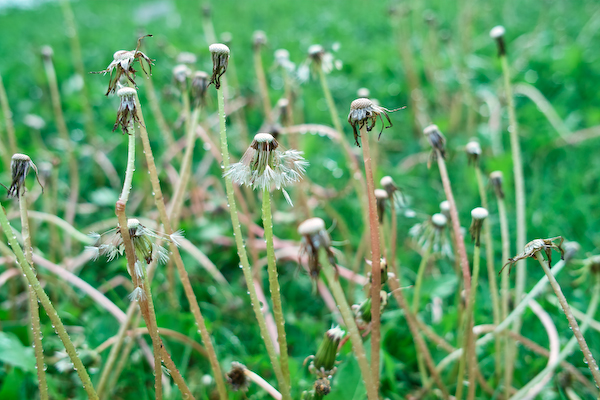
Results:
364 112
264 165
314 237
19 166
122 64
431 234
220 59
237 378
127 112
110 244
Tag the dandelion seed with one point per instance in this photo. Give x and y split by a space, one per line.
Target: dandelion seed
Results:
137 294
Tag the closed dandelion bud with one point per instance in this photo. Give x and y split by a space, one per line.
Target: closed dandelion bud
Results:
181 74
259 39
127 112
236 377
220 59
200 84
473 149
496 179
264 165
363 112
497 33
478 215
362 311
20 164
384 270
381 197
324 360
436 140
314 238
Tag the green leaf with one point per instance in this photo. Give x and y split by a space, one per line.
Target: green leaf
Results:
12 352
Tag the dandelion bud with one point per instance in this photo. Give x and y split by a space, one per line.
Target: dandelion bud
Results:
478 215
259 39
362 312
315 237
200 84
322 387
324 361
439 220
496 180
127 112
497 33
186 57
237 378
220 59
473 149
436 140
364 113
181 74
384 270
363 92
381 196
19 167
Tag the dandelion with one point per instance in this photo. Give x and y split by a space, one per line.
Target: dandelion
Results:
220 59
127 112
473 149
237 378
394 193
122 64
432 234
200 84
535 247
497 33
478 215
259 39
181 75
319 61
363 112
19 166
314 237
282 59
496 180
437 141
381 196
362 311
264 165
186 58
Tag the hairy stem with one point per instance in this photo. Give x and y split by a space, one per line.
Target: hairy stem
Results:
274 285
472 361
45 301
348 317
34 308
590 361
241 250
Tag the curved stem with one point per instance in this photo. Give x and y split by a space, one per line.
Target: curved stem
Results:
34 308
375 260
241 250
420 274
274 285
591 362
183 275
45 301
348 316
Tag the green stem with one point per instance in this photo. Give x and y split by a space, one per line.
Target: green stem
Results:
375 260
183 275
115 350
519 185
158 115
124 356
34 308
241 250
348 317
420 274
45 301
274 285
590 361
8 121
262 84
414 329
129 169
489 258
471 315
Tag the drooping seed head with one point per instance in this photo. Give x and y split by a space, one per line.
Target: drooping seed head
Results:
311 226
220 59
282 55
381 197
445 208
316 52
478 215
315 238
364 113
47 52
436 140
496 180
20 164
387 182
237 378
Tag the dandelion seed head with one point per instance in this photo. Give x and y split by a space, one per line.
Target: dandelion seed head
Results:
439 220
311 226
497 32
479 213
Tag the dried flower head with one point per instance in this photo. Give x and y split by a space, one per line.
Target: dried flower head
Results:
181 74
127 112
47 52
431 235
538 245
314 237
497 33
19 167
473 149
220 59
363 112
237 378
381 197
437 141
322 387
122 65
200 84
143 239
264 165
478 215
496 179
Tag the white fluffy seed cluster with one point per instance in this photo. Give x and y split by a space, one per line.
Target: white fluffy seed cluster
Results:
218 48
439 220
311 226
479 213
126 92
497 32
